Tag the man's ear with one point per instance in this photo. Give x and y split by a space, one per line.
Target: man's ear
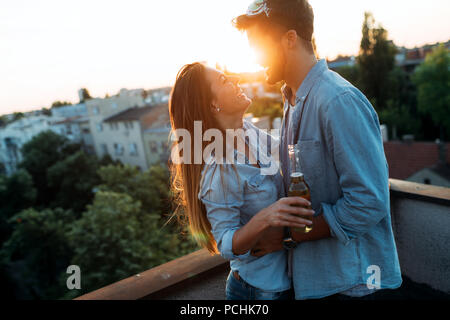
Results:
290 39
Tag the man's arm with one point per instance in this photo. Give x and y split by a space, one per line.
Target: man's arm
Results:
354 141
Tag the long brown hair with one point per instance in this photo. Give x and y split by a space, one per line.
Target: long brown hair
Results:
191 100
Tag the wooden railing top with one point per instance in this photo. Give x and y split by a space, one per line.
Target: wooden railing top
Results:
420 191
157 278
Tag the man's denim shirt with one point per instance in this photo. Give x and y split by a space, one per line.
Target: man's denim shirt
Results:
343 161
232 196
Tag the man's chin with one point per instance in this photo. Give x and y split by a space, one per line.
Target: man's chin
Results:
272 77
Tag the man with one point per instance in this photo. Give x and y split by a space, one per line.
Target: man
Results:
351 245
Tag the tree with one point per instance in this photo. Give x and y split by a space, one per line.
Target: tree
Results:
37 253
85 95
46 112
376 60
16 193
399 119
150 187
3 120
73 180
352 74
432 79
17 116
58 104
40 153
116 238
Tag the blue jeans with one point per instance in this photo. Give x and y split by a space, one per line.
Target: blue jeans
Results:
241 290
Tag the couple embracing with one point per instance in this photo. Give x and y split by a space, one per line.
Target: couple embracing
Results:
235 209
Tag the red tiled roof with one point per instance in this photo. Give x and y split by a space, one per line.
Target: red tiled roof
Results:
157 118
405 159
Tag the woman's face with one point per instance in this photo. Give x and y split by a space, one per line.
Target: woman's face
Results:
227 95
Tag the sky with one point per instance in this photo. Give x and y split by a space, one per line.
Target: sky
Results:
51 48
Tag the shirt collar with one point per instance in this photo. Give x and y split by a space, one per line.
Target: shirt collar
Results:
307 84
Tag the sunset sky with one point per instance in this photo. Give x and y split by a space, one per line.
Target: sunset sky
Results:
51 48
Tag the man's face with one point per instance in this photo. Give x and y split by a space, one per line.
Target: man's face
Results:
269 52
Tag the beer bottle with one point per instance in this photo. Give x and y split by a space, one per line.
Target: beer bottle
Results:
299 188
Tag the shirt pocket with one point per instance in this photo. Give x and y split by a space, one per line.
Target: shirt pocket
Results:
311 160
254 183
261 190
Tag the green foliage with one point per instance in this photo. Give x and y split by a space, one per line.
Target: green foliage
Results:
400 118
432 79
39 154
261 107
352 74
58 104
376 60
85 95
150 187
46 112
37 252
16 193
73 180
3 120
107 160
115 226
115 238
17 116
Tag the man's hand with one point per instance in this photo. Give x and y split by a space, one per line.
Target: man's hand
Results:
271 241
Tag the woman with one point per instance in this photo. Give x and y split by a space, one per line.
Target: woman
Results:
230 206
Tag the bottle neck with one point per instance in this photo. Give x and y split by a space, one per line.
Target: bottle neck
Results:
297 179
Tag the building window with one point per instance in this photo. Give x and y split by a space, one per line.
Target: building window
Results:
118 149
131 124
113 125
99 127
95 110
153 146
133 149
104 148
126 124
164 145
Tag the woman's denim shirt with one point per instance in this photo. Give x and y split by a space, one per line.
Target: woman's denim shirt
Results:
232 195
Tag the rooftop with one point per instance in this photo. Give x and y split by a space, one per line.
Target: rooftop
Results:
130 114
420 221
405 158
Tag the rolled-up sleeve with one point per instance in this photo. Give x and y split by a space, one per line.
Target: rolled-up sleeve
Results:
354 140
222 195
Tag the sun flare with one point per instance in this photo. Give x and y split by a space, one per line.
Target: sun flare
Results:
237 58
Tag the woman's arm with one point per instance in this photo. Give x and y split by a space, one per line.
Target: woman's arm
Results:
281 213
234 240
